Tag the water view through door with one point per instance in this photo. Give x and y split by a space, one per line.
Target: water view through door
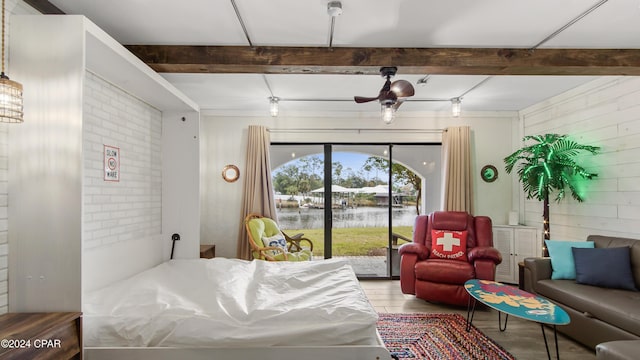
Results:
362 220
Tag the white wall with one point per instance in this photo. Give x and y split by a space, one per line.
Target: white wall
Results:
181 183
118 215
224 141
603 113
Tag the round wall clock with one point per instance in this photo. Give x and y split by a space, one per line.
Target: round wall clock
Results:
230 173
489 173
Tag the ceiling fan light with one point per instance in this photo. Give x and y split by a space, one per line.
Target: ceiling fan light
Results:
388 114
456 107
273 106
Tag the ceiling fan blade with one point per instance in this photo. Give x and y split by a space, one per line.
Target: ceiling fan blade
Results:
402 88
362 99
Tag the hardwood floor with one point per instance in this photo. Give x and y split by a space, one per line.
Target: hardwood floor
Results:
523 339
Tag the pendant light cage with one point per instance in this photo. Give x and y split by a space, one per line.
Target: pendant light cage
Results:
11 105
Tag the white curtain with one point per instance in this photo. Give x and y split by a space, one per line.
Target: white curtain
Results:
457 178
258 195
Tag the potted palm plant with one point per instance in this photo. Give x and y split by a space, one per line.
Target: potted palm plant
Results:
549 165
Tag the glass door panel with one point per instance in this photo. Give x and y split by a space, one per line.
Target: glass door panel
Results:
298 175
360 203
416 179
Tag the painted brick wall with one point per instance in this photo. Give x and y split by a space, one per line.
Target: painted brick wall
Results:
130 209
603 113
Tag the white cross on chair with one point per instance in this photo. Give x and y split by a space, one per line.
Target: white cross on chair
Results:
448 241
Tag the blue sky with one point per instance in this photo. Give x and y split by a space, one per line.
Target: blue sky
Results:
350 160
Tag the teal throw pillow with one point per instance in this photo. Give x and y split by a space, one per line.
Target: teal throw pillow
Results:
562 263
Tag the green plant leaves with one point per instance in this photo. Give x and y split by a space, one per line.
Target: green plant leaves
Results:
549 165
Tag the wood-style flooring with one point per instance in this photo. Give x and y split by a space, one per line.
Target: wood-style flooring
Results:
523 339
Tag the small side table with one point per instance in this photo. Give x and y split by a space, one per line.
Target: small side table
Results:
208 251
56 335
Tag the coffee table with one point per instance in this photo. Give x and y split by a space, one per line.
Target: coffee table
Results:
510 300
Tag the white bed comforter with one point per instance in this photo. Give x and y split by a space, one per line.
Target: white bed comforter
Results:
230 302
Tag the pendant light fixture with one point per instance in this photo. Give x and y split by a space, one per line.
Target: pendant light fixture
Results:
10 91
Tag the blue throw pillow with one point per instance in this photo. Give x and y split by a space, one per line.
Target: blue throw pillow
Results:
604 267
562 264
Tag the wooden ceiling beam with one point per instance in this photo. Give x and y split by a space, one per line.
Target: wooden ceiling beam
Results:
45 7
346 60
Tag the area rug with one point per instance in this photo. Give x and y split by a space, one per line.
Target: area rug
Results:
436 336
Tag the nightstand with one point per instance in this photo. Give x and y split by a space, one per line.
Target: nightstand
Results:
55 335
208 251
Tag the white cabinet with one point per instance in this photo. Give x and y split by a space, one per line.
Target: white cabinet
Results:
515 243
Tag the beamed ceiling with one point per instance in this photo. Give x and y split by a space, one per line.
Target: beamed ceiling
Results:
499 55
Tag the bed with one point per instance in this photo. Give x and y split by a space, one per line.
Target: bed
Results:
233 309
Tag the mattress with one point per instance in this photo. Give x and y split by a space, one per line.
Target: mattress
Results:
229 302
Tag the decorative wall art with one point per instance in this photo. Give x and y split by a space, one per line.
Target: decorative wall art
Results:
111 163
230 173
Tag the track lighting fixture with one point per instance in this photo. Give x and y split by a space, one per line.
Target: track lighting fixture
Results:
273 106
456 106
334 8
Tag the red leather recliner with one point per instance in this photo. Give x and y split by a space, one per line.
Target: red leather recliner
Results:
442 279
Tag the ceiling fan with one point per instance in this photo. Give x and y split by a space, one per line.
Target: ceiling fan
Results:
392 94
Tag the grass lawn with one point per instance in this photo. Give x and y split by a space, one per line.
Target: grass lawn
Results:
368 241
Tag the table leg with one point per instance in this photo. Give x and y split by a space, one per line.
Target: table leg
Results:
546 345
506 318
471 310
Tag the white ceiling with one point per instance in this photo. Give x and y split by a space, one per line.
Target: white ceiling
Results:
366 23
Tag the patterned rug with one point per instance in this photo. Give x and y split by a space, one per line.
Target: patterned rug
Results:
436 336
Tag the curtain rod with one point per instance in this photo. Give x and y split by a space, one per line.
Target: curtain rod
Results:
356 130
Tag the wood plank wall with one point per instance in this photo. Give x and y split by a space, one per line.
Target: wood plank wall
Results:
603 113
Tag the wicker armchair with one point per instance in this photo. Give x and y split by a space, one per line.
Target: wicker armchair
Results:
270 243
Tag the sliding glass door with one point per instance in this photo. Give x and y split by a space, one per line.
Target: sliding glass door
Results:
356 202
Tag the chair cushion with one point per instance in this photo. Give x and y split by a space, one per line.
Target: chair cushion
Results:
562 263
263 228
605 267
302 255
450 245
444 271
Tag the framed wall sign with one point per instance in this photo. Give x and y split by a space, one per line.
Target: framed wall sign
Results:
489 173
111 163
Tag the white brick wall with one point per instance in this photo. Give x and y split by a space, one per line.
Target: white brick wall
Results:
604 113
130 209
